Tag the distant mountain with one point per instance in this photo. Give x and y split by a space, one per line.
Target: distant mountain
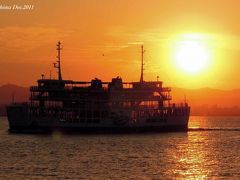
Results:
207 96
208 101
10 92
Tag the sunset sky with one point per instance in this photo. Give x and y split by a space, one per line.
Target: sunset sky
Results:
102 38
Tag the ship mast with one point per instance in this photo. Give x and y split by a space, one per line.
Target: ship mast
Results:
142 64
58 63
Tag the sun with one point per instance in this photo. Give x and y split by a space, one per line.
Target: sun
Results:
191 56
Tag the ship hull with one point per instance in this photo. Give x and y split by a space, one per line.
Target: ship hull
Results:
21 122
99 130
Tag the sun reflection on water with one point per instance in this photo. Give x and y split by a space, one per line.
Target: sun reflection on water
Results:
193 157
197 122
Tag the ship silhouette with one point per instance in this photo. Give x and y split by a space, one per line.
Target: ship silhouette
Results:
96 106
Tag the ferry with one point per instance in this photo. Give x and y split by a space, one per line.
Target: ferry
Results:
97 106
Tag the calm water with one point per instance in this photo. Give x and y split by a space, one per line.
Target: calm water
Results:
211 149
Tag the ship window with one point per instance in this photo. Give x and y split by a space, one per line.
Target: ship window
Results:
82 120
82 114
104 114
75 120
89 114
96 120
96 114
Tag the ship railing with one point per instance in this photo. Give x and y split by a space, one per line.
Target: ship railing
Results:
111 99
168 97
166 89
34 88
177 105
37 88
154 106
41 88
142 107
19 104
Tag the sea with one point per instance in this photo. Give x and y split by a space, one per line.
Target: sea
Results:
209 150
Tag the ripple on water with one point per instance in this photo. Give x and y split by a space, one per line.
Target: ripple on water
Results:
195 154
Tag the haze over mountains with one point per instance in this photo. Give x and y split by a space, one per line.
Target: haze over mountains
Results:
203 101
206 101
226 98
10 92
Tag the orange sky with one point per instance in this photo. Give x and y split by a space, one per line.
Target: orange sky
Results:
91 28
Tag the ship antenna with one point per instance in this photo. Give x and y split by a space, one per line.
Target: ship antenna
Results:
58 63
142 64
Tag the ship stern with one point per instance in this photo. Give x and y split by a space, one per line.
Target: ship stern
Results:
18 118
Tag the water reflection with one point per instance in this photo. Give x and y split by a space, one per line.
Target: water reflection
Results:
191 157
196 122
194 155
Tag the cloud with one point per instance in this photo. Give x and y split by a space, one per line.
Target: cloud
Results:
156 35
135 43
25 38
138 37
